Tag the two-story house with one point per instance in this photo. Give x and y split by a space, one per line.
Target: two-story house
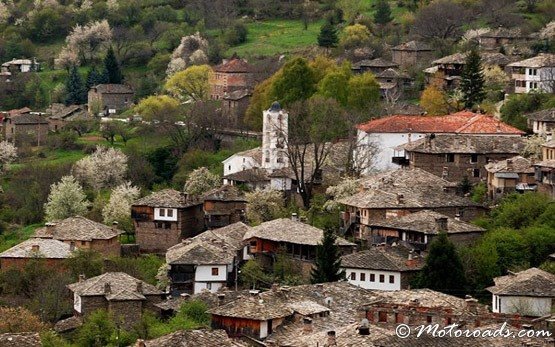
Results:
412 53
534 74
234 74
545 169
53 252
542 122
374 66
455 157
24 127
511 175
110 98
224 206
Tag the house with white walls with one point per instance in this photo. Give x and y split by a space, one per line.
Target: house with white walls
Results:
536 74
529 293
382 268
208 261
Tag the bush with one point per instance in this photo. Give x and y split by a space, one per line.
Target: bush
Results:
236 35
66 140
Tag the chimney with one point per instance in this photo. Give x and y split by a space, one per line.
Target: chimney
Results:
445 172
307 325
364 328
140 343
81 278
414 302
35 248
72 246
275 287
331 338
411 262
294 217
458 216
471 304
510 164
221 298
107 288
441 224
254 292
114 226
140 287
400 199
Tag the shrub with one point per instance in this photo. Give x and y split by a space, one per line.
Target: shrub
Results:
236 35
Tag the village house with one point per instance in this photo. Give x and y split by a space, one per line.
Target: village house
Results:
393 82
506 38
10 69
23 127
109 98
122 295
384 135
418 229
232 75
412 53
511 175
208 261
162 219
84 234
197 338
234 107
59 115
447 71
396 193
542 122
224 206
297 239
456 157
545 169
374 66
53 252
529 293
382 268
534 74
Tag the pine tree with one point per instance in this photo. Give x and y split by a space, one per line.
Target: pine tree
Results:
383 12
111 67
443 270
94 77
328 36
328 260
76 92
472 80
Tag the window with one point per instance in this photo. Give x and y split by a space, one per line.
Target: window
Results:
428 319
382 316
362 276
474 158
372 278
382 278
476 173
449 157
353 276
162 212
215 271
391 279
229 166
170 212
209 286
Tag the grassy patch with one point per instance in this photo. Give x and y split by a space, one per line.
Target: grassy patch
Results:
12 238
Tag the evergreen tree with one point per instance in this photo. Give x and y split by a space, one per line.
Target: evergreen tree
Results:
472 80
328 260
383 12
94 77
111 67
76 92
328 36
443 270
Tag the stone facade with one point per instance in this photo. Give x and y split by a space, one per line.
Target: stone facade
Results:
232 75
25 133
110 98
20 263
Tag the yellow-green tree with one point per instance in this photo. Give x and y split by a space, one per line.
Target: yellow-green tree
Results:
158 107
191 83
364 92
354 35
434 101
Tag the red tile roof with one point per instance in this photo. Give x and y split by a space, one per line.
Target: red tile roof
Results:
463 122
234 65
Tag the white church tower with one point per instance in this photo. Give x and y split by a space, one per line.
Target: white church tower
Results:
274 138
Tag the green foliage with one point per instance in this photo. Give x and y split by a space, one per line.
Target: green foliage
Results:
514 109
328 260
196 311
253 274
383 12
472 80
85 262
335 84
236 35
295 82
112 70
364 92
97 330
144 267
76 92
443 270
51 339
328 36
479 193
285 269
95 77
164 163
520 210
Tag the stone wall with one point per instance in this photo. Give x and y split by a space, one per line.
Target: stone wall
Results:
89 304
20 263
127 313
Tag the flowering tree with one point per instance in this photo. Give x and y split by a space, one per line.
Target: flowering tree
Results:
264 205
84 41
346 188
200 181
105 168
66 199
8 153
118 208
191 51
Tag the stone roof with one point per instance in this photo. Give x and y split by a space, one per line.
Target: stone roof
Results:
543 115
169 198
392 73
68 324
378 62
234 65
122 287
463 122
504 33
530 282
20 340
249 175
61 111
47 248
113 89
28 118
77 228
464 144
225 193
191 338
291 231
426 222
255 154
412 46
389 258
550 164
516 164
405 188
487 59
541 60
237 94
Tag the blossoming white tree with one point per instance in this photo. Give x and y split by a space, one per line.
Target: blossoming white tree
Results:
191 51
118 208
200 181
85 41
8 153
264 205
105 168
346 188
66 199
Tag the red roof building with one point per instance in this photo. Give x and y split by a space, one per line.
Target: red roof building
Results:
230 76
